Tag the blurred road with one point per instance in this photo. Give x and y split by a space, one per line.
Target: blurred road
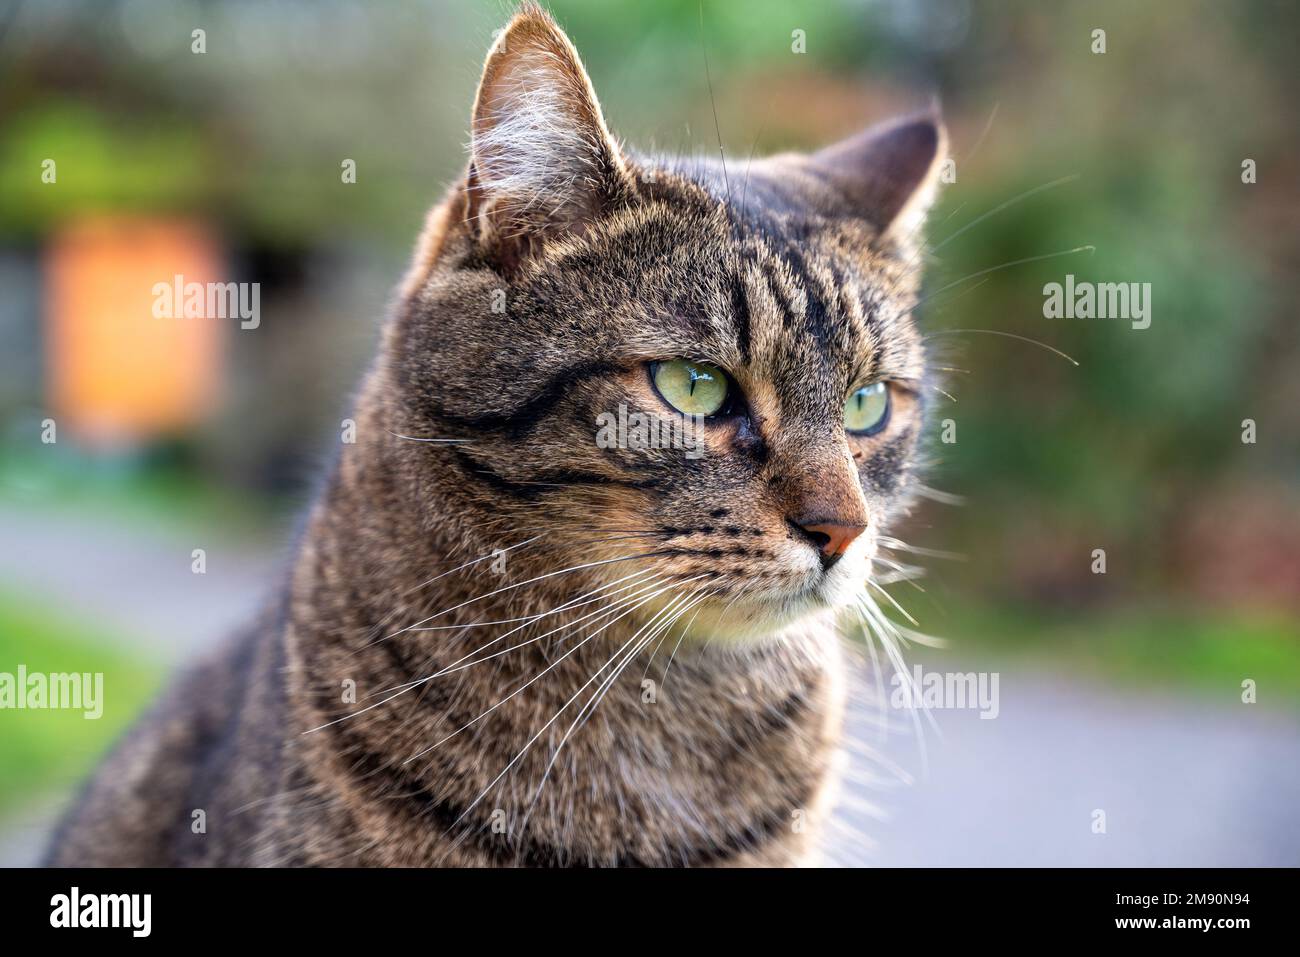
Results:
1181 782
137 582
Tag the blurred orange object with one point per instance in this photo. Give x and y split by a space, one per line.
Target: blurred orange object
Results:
118 374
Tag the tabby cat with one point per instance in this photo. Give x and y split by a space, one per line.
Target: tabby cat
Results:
504 642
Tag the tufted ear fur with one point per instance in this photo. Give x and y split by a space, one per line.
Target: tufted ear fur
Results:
542 162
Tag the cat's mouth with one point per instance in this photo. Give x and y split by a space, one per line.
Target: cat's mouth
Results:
750 618
705 592
745 614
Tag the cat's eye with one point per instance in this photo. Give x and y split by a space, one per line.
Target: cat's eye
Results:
693 388
866 411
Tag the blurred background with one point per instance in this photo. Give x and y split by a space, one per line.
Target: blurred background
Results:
127 157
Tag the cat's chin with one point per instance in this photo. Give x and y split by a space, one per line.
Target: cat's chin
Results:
736 622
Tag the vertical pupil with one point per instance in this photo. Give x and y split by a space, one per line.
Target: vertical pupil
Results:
689 387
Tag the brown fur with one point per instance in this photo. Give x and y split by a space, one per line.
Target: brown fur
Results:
796 276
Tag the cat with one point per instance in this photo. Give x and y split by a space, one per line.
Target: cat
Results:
503 643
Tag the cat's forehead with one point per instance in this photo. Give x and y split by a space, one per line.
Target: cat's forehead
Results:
767 281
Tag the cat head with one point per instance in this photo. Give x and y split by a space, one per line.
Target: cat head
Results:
695 377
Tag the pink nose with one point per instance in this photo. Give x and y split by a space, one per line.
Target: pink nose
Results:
832 538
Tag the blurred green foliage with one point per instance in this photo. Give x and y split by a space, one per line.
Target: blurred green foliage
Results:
47 749
138 165
155 490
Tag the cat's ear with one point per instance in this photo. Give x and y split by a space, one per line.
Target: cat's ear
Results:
889 173
542 163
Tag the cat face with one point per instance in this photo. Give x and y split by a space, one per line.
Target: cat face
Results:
704 381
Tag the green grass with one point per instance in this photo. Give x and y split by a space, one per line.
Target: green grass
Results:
1208 651
45 749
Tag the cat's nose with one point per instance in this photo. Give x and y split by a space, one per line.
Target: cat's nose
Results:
832 539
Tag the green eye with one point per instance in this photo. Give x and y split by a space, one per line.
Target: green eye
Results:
866 411
693 388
